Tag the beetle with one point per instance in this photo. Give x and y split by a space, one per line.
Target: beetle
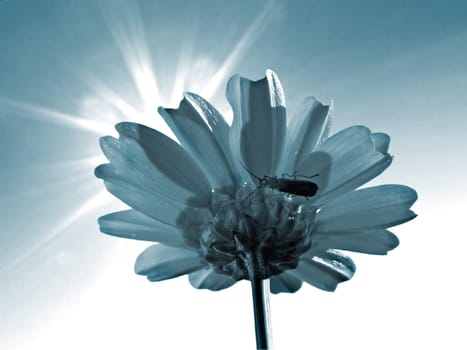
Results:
303 188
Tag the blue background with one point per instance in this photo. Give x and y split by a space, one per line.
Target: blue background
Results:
69 70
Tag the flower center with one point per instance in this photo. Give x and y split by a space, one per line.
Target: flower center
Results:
261 234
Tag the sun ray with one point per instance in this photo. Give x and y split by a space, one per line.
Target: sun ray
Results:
50 115
185 61
101 198
82 164
52 186
105 93
54 178
179 85
126 27
251 34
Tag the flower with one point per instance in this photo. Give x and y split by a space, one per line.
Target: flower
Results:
230 202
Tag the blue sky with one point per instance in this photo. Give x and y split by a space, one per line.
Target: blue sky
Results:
69 70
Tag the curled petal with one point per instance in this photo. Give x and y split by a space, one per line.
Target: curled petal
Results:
369 208
208 279
258 128
376 241
135 225
324 271
197 139
160 262
382 141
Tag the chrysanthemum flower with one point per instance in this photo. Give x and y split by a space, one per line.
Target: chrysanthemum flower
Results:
221 202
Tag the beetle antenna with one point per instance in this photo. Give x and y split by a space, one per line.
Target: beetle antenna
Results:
249 195
249 171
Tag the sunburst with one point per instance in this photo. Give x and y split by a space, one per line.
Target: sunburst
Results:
127 29
101 104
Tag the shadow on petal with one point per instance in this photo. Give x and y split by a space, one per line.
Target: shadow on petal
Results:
310 128
198 140
258 128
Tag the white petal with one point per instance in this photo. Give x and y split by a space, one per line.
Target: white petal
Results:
216 121
308 129
284 283
132 164
142 199
218 125
377 241
169 158
360 177
259 122
374 207
160 262
197 139
349 149
208 279
135 225
354 161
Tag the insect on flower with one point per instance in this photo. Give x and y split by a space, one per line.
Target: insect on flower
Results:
189 196
298 187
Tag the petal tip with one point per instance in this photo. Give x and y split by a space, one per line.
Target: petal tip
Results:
101 171
331 109
190 95
394 242
276 90
162 111
139 267
269 71
126 128
104 141
234 79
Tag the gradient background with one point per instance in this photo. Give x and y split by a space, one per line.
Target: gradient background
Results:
69 70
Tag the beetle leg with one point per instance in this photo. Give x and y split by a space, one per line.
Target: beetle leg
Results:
309 177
